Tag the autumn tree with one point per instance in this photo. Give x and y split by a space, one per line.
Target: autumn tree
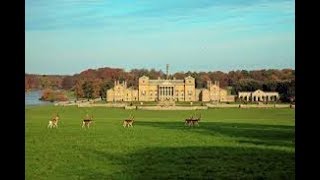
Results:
87 90
103 89
78 90
68 82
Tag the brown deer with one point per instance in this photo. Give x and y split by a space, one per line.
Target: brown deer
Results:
128 122
87 121
196 120
53 123
192 121
188 121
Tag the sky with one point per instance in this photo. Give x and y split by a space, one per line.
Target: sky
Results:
69 36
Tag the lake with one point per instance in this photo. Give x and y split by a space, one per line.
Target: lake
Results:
32 98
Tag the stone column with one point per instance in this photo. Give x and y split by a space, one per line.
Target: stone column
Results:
173 93
162 91
166 89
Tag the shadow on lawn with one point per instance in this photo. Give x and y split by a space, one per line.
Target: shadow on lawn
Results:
258 134
200 163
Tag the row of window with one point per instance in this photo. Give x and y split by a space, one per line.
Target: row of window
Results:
143 93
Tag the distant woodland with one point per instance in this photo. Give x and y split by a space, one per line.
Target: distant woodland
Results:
93 83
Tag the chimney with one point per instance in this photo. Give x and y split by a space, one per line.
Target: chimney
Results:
208 84
167 67
217 83
115 82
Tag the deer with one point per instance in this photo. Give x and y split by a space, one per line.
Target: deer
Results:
192 121
128 122
53 123
87 121
196 120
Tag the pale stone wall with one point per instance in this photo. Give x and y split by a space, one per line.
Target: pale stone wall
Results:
205 95
110 95
143 88
228 98
216 94
258 96
214 91
171 108
120 92
179 92
168 89
190 90
162 89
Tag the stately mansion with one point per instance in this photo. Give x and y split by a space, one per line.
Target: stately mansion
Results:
168 89
181 90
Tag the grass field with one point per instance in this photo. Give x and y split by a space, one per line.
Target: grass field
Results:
228 144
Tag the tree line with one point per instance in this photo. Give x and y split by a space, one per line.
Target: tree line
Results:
94 83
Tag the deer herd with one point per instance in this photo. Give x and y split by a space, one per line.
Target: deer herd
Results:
88 120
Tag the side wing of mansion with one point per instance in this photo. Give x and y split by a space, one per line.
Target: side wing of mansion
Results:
258 96
168 89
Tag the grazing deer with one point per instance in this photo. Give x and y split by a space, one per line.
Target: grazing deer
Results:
192 121
87 121
53 123
128 122
188 121
196 120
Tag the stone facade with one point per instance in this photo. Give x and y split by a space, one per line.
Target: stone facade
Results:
181 90
213 92
258 96
120 92
169 90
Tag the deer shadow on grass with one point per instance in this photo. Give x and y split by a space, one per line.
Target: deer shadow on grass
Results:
200 163
258 134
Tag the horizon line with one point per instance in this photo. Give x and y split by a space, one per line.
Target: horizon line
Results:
128 70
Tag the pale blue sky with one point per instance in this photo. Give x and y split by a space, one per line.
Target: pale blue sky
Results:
69 36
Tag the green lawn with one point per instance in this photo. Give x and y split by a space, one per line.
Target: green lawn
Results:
228 144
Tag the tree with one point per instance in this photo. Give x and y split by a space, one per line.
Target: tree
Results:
87 90
78 90
103 89
67 82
